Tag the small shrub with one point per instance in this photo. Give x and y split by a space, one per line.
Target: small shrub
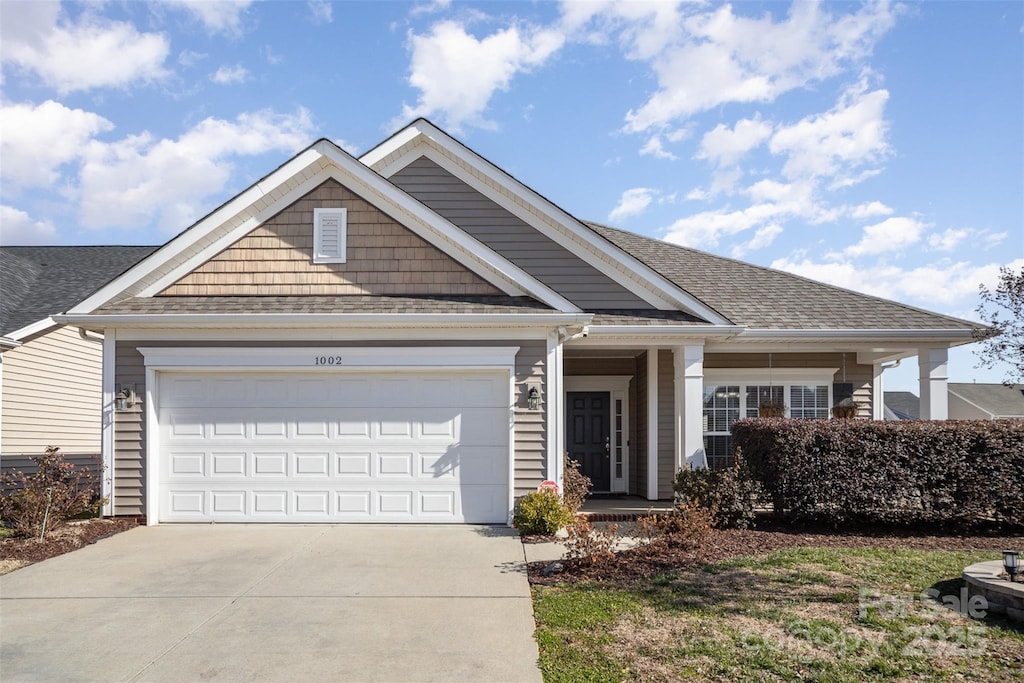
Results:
727 495
687 525
540 512
24 507
589 544
575 487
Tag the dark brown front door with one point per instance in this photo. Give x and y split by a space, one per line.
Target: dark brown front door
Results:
587 420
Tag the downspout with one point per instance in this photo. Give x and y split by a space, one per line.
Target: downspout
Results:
878 390
84 334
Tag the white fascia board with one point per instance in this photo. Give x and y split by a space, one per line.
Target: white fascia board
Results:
652 335
334 334
29 330
321 320
8 343
626 271
185 240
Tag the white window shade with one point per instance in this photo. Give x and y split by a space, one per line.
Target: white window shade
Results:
330 230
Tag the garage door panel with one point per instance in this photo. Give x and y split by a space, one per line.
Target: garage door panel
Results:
307 448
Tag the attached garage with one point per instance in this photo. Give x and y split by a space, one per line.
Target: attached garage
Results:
369 435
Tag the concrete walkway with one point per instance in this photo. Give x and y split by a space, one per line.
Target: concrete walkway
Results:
274 603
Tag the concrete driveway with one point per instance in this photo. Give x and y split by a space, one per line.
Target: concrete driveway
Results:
275 603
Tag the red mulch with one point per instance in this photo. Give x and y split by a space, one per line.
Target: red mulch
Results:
71 537
719 545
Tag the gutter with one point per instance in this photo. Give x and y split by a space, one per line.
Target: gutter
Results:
665 330
955 336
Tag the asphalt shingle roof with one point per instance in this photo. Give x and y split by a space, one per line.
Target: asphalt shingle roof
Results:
905 404
37 282
323 304
996 399
763 298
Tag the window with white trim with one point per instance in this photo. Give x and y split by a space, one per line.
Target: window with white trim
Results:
726 401
330 233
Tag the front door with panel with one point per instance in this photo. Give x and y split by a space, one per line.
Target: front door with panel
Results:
589 442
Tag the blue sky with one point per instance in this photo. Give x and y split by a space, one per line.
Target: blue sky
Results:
874 146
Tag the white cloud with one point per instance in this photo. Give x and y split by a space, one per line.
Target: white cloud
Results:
654 147
36 140
762 238
943 285
457 74
18 228
847 137
229 75
139 179
948 240
724 146
70 57
632 203
191 57
715 57
891 235
216 16
870 210
320 11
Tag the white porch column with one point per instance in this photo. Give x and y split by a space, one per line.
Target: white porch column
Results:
877 392
934 375
652 424
689 398
554 410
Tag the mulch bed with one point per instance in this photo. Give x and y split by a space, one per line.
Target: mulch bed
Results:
71 537
719 545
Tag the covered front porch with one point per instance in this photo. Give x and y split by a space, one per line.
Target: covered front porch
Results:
633 416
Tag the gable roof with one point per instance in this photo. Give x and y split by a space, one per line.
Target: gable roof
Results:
763 298
289 182
997 400
422 138
904 405
38 282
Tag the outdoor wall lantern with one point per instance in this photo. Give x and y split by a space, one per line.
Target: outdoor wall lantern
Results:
533 399
124 399
1011 563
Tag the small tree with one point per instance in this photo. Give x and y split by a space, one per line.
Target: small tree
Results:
1002 309
47 498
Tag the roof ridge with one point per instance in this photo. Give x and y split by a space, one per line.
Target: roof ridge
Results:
794 276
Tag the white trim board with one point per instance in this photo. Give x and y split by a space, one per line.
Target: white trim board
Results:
308 358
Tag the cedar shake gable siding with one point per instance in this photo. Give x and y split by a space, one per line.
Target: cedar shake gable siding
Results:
763 298
550 263
382 258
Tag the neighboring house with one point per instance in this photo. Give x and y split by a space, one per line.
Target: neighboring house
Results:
985 401
417 336
902 405
50 374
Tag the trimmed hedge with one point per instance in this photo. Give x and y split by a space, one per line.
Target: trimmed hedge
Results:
955 474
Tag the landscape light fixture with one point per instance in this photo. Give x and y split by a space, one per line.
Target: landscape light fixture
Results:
124 399
533 399
1011 563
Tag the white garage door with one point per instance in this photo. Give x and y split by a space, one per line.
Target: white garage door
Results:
381 447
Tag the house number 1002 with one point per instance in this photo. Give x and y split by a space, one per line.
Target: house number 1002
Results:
327 360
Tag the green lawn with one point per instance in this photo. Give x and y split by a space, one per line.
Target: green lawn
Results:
800 614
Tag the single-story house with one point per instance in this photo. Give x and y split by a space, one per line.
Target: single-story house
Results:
985 401
50 374
417 336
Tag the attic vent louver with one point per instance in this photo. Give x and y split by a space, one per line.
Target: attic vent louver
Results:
330 227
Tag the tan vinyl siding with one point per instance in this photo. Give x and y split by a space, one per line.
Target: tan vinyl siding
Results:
860 375
544 259
638 463
383 258
52 395
130 434
666 424
129 481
